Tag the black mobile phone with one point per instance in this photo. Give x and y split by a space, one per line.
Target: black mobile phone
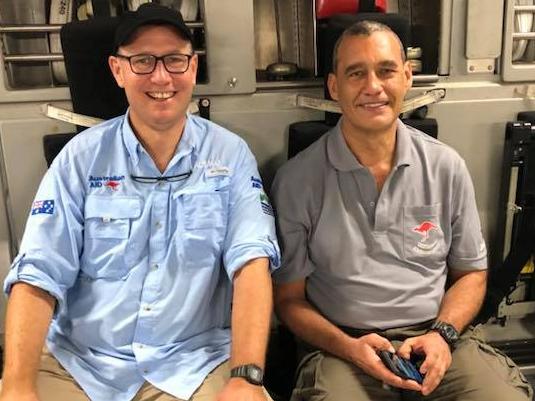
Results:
404 368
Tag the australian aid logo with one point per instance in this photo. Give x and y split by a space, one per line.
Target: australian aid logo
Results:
111 183
430 236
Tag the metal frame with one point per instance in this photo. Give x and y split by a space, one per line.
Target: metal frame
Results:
445 37
511 71
229 52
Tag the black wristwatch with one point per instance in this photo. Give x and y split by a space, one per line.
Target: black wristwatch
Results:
447 331
252 373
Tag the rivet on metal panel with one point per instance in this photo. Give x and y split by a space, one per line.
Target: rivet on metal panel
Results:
232 82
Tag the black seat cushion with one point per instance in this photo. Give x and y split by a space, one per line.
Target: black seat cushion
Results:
303 133
528 116
86 47
52 145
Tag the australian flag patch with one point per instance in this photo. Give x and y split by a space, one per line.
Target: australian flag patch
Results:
43 207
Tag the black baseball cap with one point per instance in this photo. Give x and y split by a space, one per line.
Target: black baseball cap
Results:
149 14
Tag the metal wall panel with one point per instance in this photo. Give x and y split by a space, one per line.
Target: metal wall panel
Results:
472 120
24 164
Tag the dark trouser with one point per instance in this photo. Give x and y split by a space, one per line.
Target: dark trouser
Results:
478 373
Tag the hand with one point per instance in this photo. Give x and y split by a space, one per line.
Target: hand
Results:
437 358
364 355
239 389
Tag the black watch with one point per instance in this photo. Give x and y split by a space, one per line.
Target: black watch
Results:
252 373
447 331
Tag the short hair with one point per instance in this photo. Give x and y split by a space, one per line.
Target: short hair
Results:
365 28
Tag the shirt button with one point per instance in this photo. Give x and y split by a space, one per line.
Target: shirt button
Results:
155 266
147 308
372 204
140 345
158 224
145 371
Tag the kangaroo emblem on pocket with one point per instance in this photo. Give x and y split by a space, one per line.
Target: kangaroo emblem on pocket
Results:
427 243
113 185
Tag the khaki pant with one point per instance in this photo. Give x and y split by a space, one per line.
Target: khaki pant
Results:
478 373
54 383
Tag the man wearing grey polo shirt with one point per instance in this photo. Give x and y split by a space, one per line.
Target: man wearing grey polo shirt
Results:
382 247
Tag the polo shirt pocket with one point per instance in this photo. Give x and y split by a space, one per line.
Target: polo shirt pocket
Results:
205 216
423 236
107 229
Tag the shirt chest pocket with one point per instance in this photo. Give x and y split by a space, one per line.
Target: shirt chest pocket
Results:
423 235
205 216
205 210
107 229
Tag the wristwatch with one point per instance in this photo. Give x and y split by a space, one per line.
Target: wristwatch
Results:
447 331
252 373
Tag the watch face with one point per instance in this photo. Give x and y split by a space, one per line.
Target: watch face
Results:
447 331
451 333
252 373
255 374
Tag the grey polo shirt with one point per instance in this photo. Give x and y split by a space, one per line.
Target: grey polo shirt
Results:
370 259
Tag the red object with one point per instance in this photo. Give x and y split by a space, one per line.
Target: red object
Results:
327 8
424 228
380 6
112 185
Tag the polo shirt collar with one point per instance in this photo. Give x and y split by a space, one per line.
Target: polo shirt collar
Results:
343 159
403 146
339 153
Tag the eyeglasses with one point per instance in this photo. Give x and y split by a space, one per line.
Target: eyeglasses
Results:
174 63
153 180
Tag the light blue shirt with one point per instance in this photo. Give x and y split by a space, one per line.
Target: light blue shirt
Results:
142 272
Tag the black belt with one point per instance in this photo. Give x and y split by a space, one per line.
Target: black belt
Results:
354 332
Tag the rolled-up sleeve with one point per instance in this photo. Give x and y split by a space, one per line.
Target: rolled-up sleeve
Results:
52 242
251 225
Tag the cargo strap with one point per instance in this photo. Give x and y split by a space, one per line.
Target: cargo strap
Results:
429 97
81 120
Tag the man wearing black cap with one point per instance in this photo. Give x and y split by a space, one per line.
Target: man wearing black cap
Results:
143 232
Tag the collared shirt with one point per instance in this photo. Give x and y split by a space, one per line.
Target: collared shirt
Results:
143 272
376 260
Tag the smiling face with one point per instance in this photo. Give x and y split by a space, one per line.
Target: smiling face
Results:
370 82
158 100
